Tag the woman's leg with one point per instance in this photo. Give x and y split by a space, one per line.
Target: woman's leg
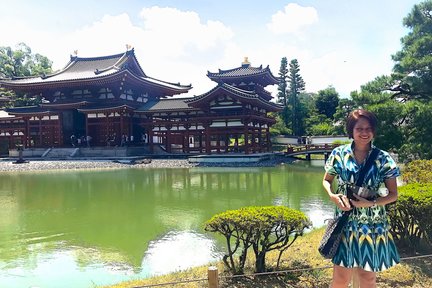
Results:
367 279
341 277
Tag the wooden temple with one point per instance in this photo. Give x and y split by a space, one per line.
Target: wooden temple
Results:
111 100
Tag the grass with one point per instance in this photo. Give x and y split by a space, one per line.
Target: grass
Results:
302 254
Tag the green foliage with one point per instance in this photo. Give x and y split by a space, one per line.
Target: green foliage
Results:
279 128
18 63
21 62
413 62
282 86
410 217
327 101
389 134
322 128
341 142
261 228
296 86
417 131
418 171
373 92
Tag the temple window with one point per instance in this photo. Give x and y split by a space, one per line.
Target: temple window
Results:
127 95
105 93
78 94
143 98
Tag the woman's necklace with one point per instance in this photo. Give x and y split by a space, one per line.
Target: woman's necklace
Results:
360 155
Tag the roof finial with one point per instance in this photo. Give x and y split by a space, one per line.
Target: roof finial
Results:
128 47
245 62
75 52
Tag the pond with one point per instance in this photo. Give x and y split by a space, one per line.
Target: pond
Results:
85 228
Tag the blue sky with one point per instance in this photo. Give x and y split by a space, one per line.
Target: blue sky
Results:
340 43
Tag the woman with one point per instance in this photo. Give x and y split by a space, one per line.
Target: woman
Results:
366 244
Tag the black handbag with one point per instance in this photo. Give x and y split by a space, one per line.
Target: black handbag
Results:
333 232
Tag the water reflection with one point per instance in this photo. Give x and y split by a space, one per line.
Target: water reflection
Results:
170 252
108 226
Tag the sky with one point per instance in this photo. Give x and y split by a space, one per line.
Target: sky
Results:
339 43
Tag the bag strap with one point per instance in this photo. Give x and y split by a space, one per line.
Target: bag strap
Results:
366 167
360 179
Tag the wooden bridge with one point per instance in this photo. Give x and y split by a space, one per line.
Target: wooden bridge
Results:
309 149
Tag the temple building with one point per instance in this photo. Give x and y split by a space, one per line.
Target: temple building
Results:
111 101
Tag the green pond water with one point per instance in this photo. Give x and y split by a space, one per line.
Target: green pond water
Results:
85 228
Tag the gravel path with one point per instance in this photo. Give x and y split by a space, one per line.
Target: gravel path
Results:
38 165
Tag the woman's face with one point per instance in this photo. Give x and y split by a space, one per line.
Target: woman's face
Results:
363 132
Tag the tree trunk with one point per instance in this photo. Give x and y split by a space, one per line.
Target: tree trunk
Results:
260 262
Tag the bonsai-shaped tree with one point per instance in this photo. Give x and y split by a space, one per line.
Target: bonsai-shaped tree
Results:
262 228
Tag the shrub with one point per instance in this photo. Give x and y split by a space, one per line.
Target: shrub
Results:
341 142
262 228
410 216
418 171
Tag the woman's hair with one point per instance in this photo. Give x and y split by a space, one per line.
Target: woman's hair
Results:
355 115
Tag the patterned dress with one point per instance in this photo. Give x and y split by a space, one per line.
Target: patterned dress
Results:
366 241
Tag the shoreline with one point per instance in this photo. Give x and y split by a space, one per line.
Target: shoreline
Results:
89 164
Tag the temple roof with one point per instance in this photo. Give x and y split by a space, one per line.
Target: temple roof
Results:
4 114
103 69
30 110
65 103
245 73
114 106
246 95
176 104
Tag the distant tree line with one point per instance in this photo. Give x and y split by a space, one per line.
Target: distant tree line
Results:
19 63
402 101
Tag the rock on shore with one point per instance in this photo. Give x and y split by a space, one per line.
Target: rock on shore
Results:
40 165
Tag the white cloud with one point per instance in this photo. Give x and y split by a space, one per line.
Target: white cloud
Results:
178 29
292 19
179 46
171 45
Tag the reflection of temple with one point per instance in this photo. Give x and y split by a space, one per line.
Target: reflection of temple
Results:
114 102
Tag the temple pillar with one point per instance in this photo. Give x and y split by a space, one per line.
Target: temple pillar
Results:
207 138
218 142
246 136
227 140
259 139
268 146
253 140
122 132
150 139
168 139
40 131
108 136
186 149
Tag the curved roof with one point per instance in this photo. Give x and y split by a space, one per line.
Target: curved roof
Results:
248 96
93 70
245 73
92 108
175 104
30 110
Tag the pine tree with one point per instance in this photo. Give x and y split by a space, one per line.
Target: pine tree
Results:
282 86
296 86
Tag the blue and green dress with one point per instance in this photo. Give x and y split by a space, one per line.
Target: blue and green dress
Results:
366 242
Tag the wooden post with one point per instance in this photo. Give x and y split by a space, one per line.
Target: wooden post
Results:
213 280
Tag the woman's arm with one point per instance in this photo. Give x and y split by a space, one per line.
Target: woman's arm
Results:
392 196
340 200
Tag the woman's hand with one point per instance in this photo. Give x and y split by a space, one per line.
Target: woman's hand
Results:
341 201
362 202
